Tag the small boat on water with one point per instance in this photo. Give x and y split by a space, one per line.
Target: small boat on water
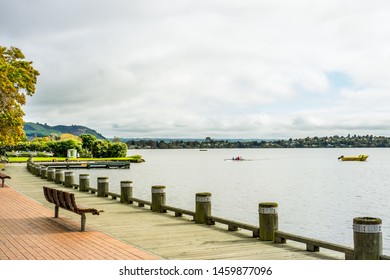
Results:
238 158
354 158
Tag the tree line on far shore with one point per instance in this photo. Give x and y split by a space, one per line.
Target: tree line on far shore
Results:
89 146
349 141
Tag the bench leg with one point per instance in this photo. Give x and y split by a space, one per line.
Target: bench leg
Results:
83 221
56 210
2 183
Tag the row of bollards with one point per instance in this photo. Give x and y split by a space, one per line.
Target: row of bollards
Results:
367 231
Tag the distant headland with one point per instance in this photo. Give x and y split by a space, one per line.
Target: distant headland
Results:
34 130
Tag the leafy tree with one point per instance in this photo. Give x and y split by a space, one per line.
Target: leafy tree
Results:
67 136
117 149
60 148
106 149
17 80
100 148
88 140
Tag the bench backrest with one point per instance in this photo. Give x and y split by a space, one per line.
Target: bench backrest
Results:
61 199
66 200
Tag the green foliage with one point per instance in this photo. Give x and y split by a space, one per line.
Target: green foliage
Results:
102 148
60 148
117 149
88 147
45 158
88 140
17 80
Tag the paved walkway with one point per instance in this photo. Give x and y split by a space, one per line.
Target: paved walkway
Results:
28 231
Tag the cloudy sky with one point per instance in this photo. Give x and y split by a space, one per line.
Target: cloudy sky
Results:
218 68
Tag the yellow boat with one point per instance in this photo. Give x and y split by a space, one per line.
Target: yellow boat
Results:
356 158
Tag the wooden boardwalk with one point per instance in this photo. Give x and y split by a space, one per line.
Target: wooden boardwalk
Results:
166 236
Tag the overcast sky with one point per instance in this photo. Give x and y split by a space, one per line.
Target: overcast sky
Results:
199 68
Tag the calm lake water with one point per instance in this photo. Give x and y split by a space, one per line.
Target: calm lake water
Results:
318 195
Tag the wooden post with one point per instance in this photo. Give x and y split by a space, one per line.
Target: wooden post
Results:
126 191
83 182
43 172
202 207
59 178
102 186
158 198
38 170
33 169
69 179
268 220
367 238
50 174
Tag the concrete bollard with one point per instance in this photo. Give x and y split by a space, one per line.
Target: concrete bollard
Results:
158 198
59 176
50 175
126 191
83 182
43 172
367 238
102 187
69 179
268 220
202 207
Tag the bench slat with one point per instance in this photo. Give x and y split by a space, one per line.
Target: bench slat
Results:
62 200
46 193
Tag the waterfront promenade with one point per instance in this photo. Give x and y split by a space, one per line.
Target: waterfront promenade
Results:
29 231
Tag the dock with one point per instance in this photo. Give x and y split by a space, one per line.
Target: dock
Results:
163 235
88 164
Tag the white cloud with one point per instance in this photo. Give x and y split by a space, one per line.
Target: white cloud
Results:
193 68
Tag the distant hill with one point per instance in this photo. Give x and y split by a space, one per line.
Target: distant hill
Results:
40 130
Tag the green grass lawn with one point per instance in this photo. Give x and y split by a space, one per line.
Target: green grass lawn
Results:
135 158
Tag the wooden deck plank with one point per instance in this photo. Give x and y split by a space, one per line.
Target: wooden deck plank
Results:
163 234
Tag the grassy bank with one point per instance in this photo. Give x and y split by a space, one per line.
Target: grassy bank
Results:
135 158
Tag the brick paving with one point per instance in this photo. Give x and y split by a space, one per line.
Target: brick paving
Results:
28 231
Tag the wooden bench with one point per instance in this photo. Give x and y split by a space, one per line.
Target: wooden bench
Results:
3 177
66 200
